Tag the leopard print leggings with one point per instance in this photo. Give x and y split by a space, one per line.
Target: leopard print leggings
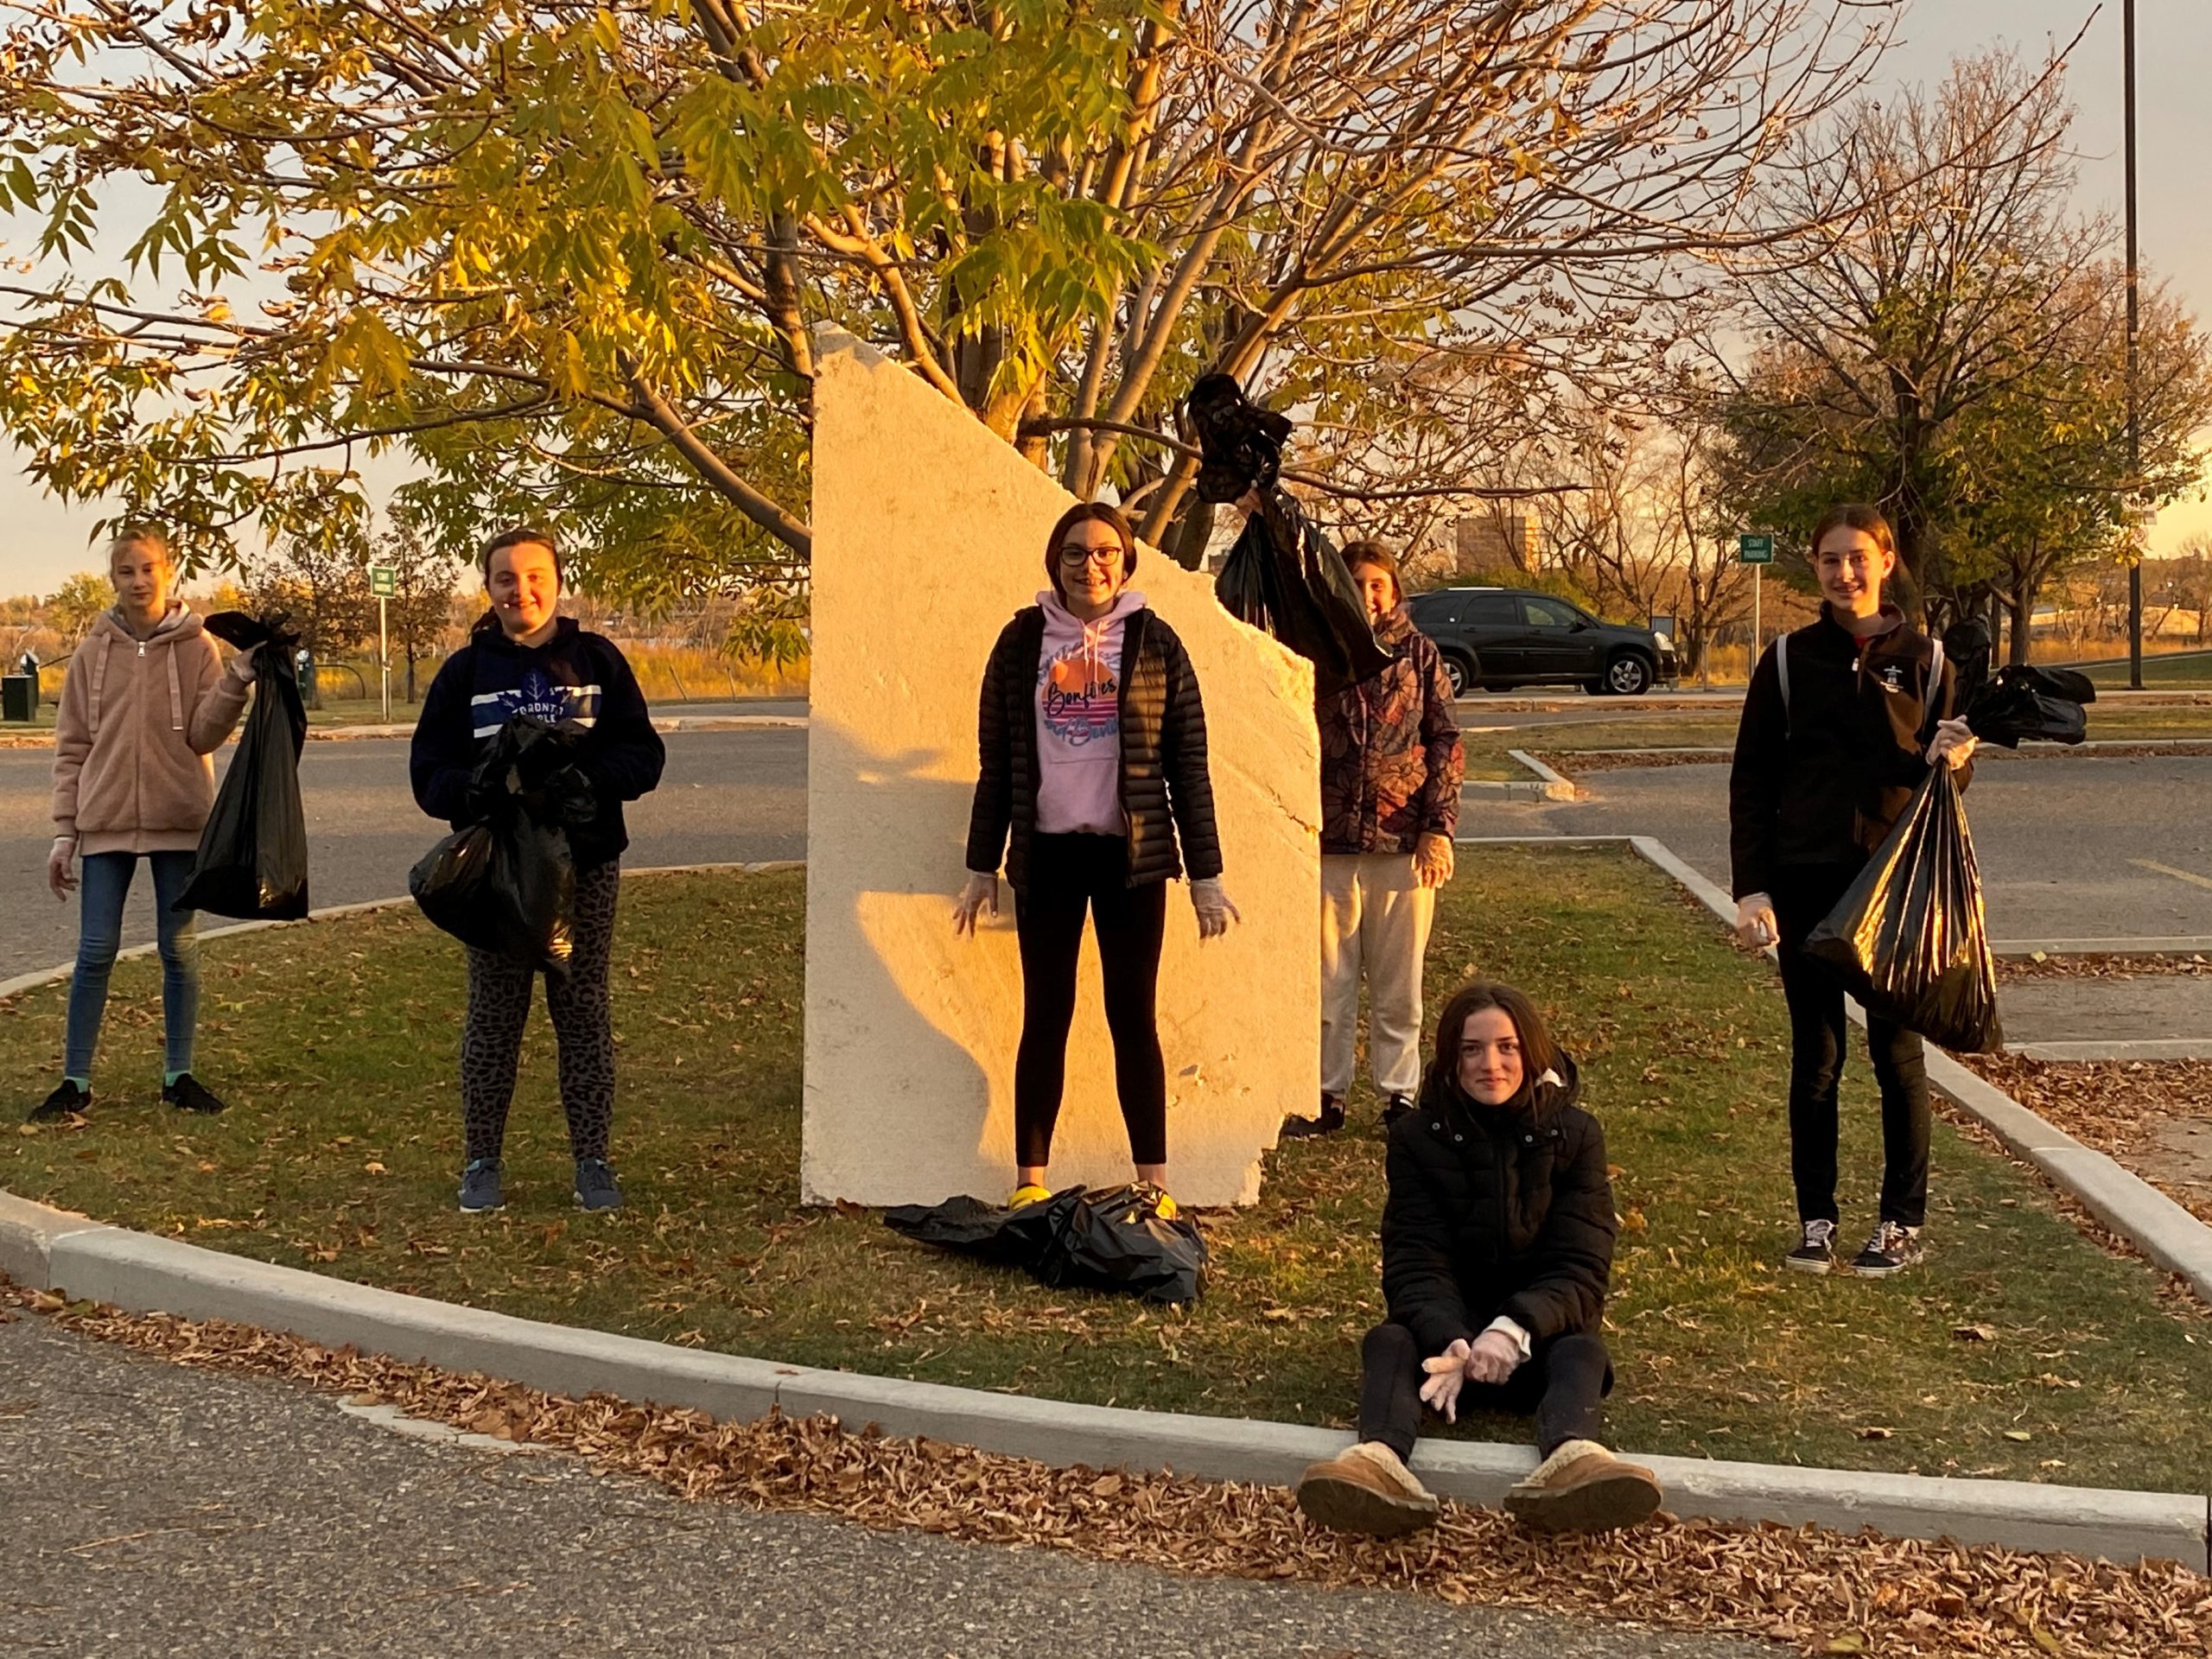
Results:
583 1031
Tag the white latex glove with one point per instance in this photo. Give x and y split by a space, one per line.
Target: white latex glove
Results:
1210 899
1432 861
1447 1372
1494 1358
1954 741
245 665
980 892
1754 922
59 876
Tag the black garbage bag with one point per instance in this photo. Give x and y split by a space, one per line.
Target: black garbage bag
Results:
1285 575
1239 443
2027 702
252 862
1106 1240
1967 647
507 883
1909 939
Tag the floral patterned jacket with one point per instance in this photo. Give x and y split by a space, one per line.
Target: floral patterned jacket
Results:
1391 763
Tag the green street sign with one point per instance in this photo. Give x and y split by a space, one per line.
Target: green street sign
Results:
1755 550
384 582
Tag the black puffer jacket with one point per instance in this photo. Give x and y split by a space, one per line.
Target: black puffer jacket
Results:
1823 779
1164 784
1493 1212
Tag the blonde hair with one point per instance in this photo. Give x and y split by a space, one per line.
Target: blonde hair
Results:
144 536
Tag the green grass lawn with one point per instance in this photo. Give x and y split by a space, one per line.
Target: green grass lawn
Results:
2175 669
336 1043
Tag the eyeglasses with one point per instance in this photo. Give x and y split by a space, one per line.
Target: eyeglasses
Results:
1075 553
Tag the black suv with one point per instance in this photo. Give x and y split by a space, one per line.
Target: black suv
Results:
1502 638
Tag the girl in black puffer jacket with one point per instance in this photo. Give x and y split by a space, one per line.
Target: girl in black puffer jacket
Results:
1091 759
1497 1242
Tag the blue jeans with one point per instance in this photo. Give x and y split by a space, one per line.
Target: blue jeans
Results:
104 884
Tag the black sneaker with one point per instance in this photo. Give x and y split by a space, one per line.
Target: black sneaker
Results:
187 1095
1893 1248
596 1188
67 1101
1305 1128
1397 1107
480 1187
1815 1251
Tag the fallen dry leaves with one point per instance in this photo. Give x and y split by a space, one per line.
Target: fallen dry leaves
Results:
2099 966
2116 1106
1824 1591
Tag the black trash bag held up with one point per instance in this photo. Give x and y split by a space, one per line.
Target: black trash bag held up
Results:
1909 939
2026 701
1283 575
1108 1239
507 884
252 862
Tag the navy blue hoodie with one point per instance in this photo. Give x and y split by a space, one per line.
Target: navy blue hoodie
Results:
574 676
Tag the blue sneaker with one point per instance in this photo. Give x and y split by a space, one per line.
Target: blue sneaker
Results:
480 1187
595 1185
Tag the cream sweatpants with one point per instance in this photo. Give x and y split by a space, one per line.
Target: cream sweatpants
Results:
1375 918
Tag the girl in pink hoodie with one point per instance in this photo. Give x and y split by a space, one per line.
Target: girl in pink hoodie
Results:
145 705
1093 786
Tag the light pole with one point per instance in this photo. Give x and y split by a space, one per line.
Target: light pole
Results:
2134 398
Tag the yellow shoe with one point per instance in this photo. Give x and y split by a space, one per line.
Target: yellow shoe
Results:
1024 1195
1154 1201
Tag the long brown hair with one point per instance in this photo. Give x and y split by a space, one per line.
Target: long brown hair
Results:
1106 514
1855 515
1539 1053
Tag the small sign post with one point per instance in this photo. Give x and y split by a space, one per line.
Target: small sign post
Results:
1758 552
383 583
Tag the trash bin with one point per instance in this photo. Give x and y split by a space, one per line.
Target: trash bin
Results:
18 698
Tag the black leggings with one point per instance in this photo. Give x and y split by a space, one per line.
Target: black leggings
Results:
1069 875
583 1031
1803 895
1561 1382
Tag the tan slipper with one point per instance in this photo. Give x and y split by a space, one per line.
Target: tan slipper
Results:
1582 1487
1367 1489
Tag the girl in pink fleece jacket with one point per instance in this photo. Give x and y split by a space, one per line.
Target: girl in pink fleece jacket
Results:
145 705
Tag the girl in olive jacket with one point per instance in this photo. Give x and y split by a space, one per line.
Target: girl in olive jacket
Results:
1091 743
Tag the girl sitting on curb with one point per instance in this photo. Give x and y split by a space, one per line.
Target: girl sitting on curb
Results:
1498 1243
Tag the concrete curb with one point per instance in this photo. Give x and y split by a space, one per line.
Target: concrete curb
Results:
1555 788
2163 1048
50 1250
2184 945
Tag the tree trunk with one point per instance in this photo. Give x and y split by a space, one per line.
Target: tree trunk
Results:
2022 601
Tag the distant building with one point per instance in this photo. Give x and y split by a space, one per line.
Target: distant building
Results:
1499 538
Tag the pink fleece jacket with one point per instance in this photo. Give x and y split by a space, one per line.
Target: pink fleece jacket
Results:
138 722
1079 719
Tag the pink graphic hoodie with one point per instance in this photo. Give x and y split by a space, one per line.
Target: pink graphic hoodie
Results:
1079 719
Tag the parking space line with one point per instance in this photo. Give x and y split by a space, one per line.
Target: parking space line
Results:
2188 876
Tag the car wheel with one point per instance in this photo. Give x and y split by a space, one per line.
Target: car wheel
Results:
1460 672
1628 676
1501 686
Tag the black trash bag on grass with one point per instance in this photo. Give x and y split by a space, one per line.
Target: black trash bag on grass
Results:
507 883
252 861
1909 939
1107 1240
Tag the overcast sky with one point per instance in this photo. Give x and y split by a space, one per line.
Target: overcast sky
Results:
41 542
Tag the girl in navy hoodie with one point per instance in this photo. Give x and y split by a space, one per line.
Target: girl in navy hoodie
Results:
525 658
